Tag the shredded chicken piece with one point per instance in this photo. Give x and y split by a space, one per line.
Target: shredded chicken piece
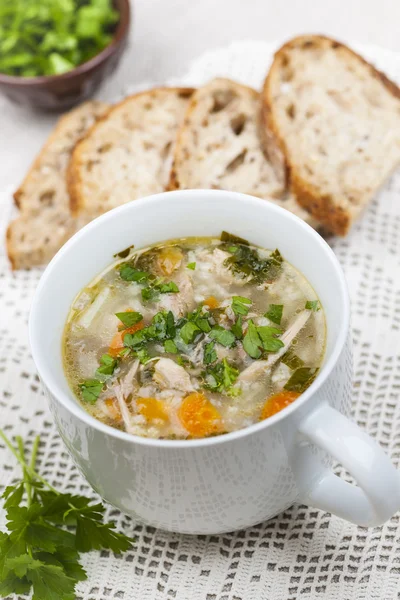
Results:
129 382
125 414
170 375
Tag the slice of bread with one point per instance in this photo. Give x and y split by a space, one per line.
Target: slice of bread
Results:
218 146
127 154
45 222
332 127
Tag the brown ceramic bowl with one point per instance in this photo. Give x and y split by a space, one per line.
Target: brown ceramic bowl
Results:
58 92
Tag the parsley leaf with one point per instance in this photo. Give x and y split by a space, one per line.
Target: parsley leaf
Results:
129 273
91 390
246 263
143 356
292 360
191 266
210 354
241 305
168 288
252 341
221 378
274 313
170 346
107 368
237 328
189 332
222 336
301 379
129 318
312 305
152 292
230 237
269 341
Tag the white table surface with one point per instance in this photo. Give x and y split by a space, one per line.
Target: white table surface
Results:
168 34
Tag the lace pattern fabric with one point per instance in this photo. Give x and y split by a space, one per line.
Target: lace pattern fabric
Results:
302 553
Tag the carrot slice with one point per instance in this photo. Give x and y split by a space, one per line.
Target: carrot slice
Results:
211 302
169 259
151 409
277 402
117 343
199 417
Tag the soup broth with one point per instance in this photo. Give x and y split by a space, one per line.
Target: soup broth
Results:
193 338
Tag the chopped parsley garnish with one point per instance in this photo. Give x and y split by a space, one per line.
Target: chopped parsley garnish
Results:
312 305
189 332
142 355
259 339
124 253
210 354
246 263
222 336
274 313
162 327
230 237
301 379
129 273
52 37
170 346
269 341
91 390
152 291
237 328
107 368
292 360
241 305
252 341
221 378
129 318
191 266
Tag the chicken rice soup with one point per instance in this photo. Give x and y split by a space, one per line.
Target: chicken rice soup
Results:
193 338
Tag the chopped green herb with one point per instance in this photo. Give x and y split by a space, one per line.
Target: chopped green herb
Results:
301 379
252 341
210 354
129 318
191 266
241 305
189 332
124 253
232 249
237 328
246 263
312 305
129 273
222 336
201 318
91 390
230 237
39 553
168 288
270 342
292 360
221 377
107 368
152 291
124 352
143 356
170 346
52 37
274 313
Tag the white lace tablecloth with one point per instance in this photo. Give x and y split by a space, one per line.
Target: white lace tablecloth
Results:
303 553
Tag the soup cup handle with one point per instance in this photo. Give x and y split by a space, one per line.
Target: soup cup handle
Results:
377 496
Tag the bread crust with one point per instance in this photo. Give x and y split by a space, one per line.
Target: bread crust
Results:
74 174
321 206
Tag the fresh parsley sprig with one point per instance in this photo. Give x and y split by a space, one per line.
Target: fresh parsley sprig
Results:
38 552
